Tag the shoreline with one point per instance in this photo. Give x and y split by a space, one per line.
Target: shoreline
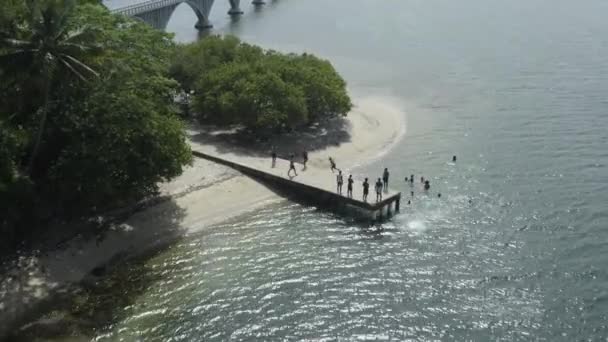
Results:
375 128
205 195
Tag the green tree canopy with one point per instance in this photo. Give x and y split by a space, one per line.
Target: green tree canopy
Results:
108 139
42 47
237 83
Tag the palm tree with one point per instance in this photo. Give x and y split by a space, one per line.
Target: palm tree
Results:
47 45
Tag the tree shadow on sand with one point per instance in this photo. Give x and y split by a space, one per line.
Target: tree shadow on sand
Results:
82 310
332 132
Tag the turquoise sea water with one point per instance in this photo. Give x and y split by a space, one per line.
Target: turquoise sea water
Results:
516 248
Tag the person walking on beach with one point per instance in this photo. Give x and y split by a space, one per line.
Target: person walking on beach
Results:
304 159
274 157
365 189
349 188
385 178
292 167
339 180
332 164
379 190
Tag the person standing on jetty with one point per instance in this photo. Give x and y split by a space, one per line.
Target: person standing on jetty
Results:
349 186
339 180
292 166
379 190
274 157
304 159
385 175
365 189
332 164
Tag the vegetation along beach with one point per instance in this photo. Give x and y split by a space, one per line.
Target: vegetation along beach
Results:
303 170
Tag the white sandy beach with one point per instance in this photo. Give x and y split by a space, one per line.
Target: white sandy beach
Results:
206 194
375 125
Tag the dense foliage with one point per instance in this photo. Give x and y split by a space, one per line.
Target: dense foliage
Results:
87 105
87 117
237 83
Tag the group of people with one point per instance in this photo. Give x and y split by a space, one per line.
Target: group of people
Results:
425 182
380 186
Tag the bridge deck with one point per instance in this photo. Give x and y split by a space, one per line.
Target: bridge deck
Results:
113 5
317 180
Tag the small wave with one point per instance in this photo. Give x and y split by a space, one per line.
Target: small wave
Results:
417 226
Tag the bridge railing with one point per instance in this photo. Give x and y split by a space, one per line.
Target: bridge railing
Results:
144 6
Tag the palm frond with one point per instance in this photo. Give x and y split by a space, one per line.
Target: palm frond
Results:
80 64
72 69
76 47
81 51
63 10
82 39
79 35
9 43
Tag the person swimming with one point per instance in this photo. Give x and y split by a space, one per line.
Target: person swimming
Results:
454 159
427 185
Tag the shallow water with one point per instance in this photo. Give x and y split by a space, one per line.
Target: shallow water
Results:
516 248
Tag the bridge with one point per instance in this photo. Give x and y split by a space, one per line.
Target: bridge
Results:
158 12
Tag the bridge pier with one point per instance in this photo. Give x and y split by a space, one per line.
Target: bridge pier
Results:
235 9
203 24
398 204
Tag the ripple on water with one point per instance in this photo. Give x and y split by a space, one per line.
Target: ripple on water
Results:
514 250
322 277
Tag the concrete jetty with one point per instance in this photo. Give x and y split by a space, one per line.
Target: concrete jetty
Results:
317 183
